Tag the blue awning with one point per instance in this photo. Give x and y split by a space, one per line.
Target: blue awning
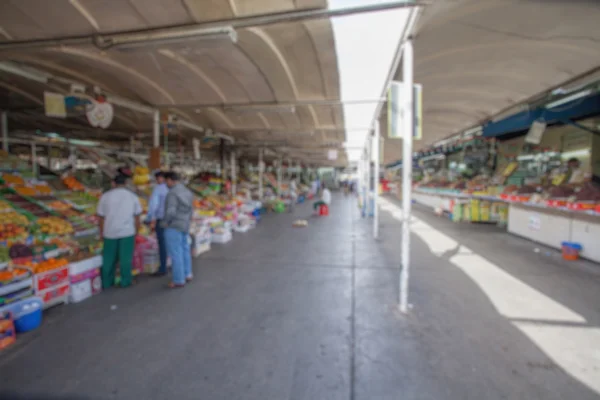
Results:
571 111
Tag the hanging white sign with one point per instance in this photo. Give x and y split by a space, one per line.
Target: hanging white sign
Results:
196 145
332 154
100 114
536 132
54 105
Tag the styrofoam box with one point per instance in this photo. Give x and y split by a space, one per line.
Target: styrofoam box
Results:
80 267
80 291
15 287
242 228
201 248
221 237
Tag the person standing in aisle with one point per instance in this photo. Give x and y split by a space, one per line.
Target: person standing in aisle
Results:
176 221
293 193
325 199
156 212
119 213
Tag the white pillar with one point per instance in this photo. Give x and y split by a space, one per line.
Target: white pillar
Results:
166 142
72 156
368 178
408 129
49 157
156 130
233 174
4 127
376 160
34 164
279 172
261 168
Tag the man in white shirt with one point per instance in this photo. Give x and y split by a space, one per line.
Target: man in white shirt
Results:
325 199
119 210
293 193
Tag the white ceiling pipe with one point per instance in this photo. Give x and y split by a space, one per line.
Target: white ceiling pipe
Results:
208 132
236 23
131 105
24 72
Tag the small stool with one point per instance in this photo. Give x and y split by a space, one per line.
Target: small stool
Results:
324 210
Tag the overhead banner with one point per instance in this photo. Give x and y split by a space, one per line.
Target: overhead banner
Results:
395 112
54 105
418 111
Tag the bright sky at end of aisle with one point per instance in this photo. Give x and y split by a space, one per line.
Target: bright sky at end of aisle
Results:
365 46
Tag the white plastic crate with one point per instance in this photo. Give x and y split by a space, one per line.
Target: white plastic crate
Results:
80 291
80 267
221 237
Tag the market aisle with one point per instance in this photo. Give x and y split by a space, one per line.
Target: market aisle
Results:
268 316
309 313
492 318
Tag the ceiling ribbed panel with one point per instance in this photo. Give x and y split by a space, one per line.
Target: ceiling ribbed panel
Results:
287 62
475 58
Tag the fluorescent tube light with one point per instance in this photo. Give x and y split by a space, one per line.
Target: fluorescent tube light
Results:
25 72
568 99
250 109
131 105
142 40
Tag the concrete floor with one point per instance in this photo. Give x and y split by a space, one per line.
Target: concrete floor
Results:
309 313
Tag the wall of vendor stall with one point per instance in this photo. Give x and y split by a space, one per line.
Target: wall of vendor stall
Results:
569 140
596 153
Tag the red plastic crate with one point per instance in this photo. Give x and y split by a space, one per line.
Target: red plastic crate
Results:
53 278
581 206
556 203
54 293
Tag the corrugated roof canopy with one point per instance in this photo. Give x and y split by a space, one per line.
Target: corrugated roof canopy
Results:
477 58
277 85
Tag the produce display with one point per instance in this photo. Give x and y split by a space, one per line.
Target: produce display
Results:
12 232
141 176
54 226
73 184
13 218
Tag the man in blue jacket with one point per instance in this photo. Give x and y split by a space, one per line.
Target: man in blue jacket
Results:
156 212
179 209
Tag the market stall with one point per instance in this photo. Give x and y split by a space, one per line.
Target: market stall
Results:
540 187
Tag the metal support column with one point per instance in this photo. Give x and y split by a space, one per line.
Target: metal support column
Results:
156 130
72 156
279 172
367 208
407 80
49 157
375 148
34 164
4 127
261 168
233 174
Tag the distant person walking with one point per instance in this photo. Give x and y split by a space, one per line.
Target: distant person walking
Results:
177 219
119 212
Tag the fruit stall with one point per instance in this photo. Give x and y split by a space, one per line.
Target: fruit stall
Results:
50 253
534 190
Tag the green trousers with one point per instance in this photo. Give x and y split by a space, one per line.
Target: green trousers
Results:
318 204
120 250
